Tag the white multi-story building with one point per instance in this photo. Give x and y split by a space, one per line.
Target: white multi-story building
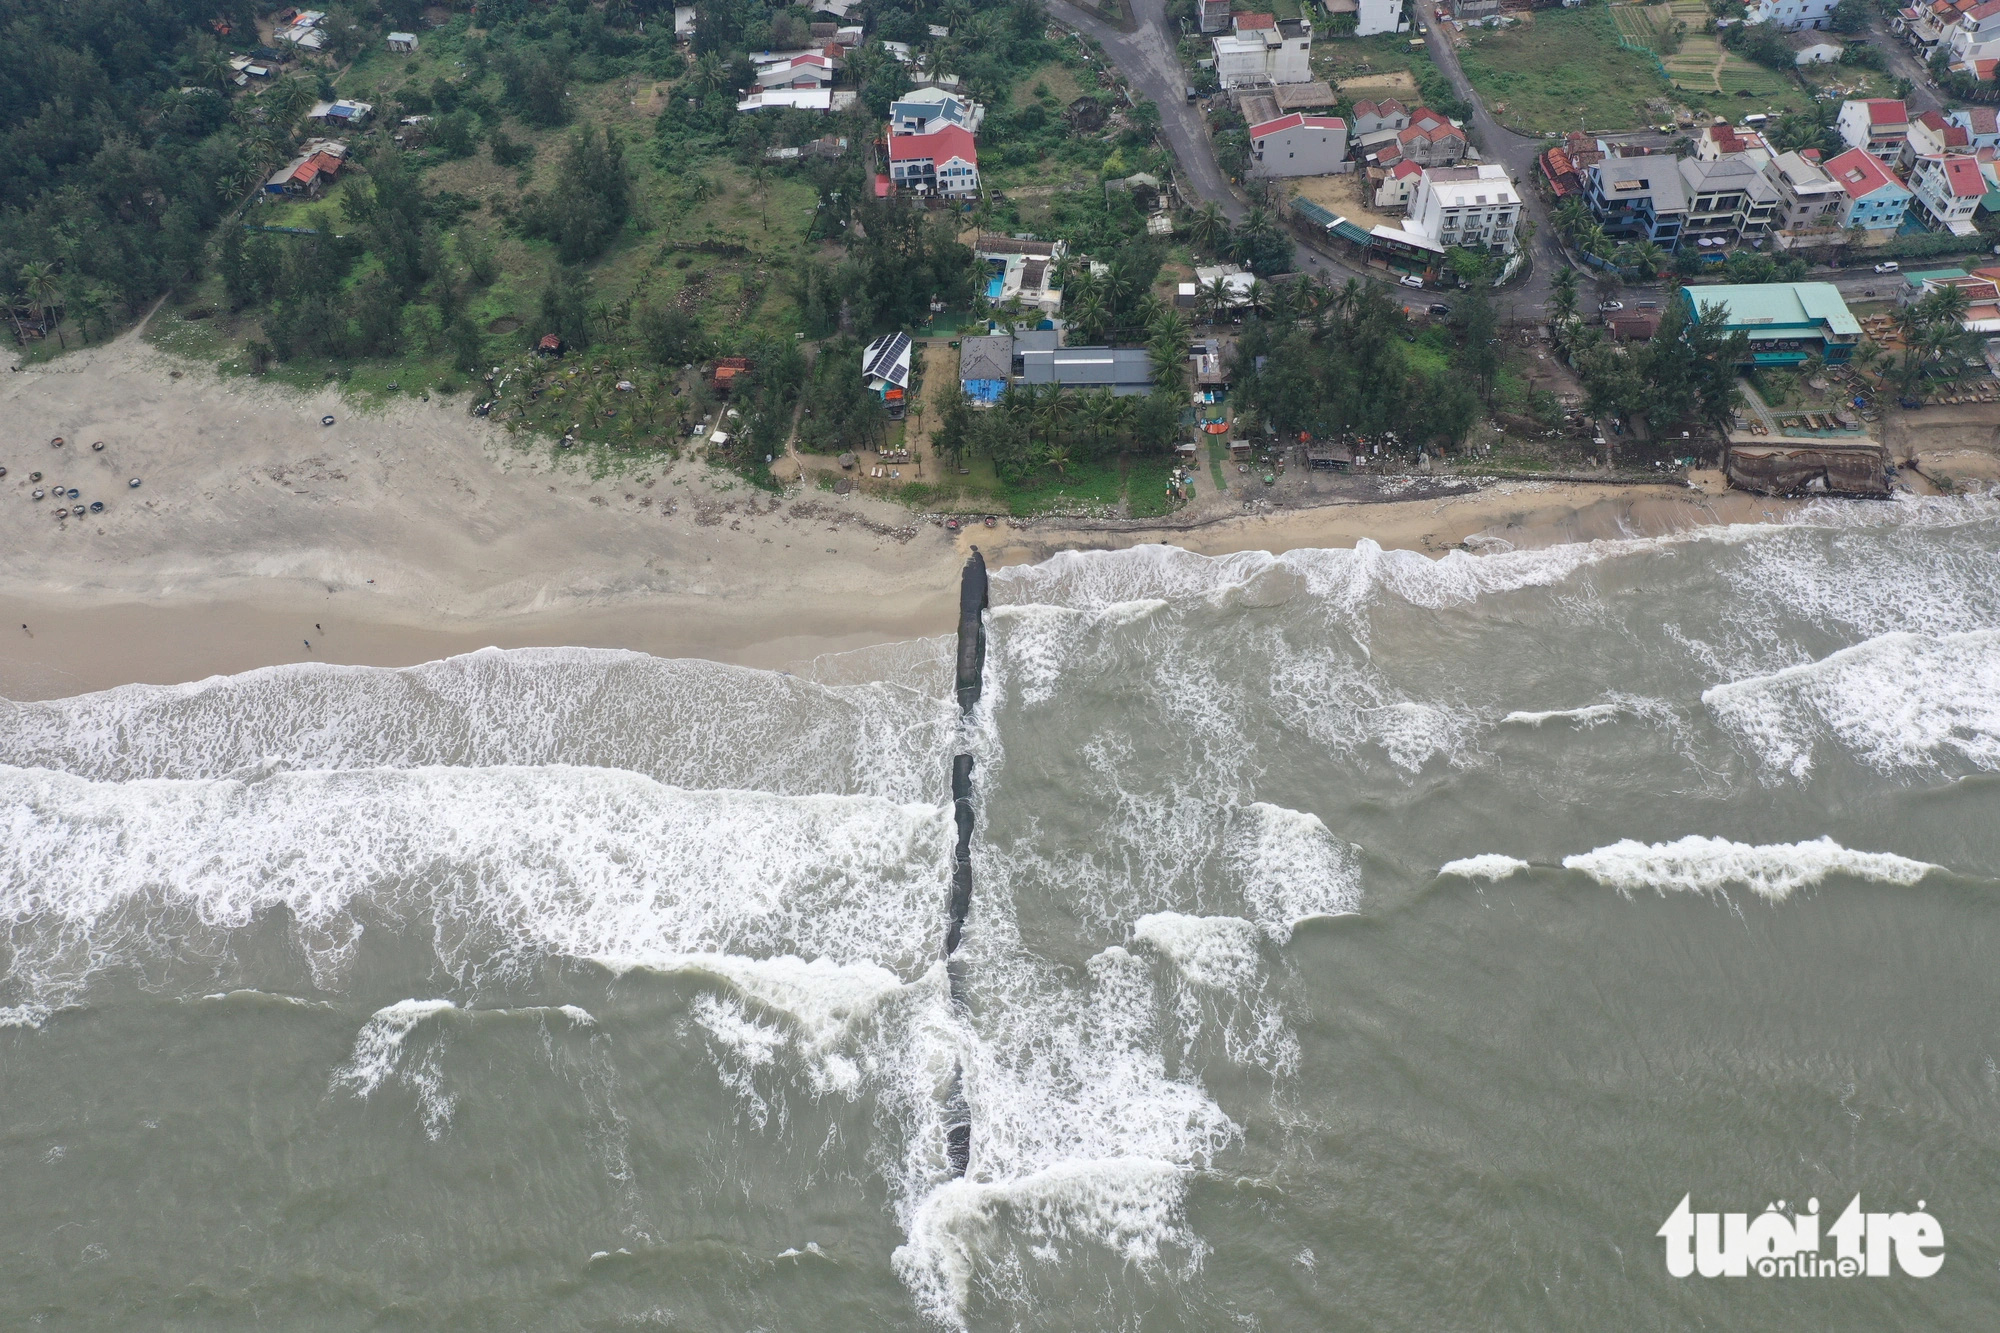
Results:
1791 15
1876 125
1976 36
1298 145
1262 49
1945 192
1379 16
1466 205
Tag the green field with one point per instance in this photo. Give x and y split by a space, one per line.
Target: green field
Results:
1702 72
1563 71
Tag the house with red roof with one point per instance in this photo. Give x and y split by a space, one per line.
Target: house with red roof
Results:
1374 117
1722 140
1263 49
1298 145
1876 200
1931 134
1878 125
1981 125
1399 182
812 69
1430 139
1945 192
944 161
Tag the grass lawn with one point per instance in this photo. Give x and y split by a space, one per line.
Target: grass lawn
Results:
1563 71
1707 78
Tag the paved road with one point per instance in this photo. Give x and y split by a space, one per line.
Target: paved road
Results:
1517 151
1151 60
1903 63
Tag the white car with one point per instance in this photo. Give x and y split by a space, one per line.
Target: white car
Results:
1891 267
1411 280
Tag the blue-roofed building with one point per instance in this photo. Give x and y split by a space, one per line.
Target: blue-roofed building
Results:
985 365
1786 321
927 109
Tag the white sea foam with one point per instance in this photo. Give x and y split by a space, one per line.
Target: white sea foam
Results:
1289 867
685 722
1219 952
379 1055
1708 865
1340 579
1080 1134
1897 701
1346 705
1487 865
967 1231
1035 643
1590 715
499 864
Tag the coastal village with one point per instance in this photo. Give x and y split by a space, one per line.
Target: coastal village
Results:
1017 299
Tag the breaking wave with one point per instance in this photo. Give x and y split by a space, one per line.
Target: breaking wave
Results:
1708 865
499 864
1897 701
683 722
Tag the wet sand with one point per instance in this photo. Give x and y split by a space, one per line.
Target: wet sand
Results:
411 531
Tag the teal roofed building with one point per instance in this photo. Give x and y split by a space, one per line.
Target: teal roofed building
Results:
1786 321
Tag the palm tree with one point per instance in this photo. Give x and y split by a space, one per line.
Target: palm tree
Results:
211 66
1089 314
1169 355
1208 229
1571 216
1168 324
1258 226
1648 258
1348 299
1217 297
1258 298
1049 407
1150 309
44 288
710 71
1102 413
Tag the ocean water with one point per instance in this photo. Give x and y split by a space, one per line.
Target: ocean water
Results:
1359 940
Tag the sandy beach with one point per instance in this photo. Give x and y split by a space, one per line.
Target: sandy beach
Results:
411 531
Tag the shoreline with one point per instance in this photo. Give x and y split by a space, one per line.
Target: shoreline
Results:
412 531
87 640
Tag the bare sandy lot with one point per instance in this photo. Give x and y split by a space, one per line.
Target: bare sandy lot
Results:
1349 195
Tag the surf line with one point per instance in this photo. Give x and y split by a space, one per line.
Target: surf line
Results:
972 602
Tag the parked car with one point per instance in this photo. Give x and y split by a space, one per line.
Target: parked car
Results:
1606 307
1411 280
1891 267
1440 309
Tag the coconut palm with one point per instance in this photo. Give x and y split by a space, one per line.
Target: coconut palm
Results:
44 288
1102 413
1088 314
710 72
1048 409
1169 356
1208 228
1258 226
1648 258
211 67
1258 298
1216 297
